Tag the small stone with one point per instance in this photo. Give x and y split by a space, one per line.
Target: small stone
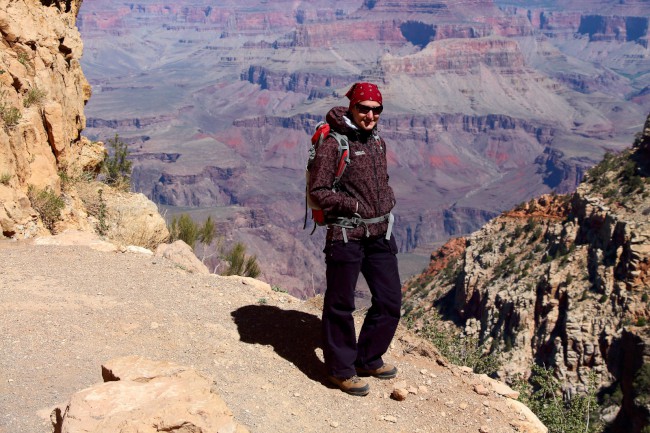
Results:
484 429
334 424
390 418
423 389
424 371
399 394
480 389
463 406
413 390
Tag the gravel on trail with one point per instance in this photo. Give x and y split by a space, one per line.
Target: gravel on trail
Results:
66 310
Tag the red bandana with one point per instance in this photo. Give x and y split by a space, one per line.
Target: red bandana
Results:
360 92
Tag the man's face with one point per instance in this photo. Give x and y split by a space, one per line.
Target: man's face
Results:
365 114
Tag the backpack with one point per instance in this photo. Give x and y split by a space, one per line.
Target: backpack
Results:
322 131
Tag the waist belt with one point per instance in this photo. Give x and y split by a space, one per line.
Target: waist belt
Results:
356 221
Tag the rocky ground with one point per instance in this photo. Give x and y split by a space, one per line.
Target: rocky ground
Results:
65 310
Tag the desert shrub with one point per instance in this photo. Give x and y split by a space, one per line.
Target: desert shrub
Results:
240 264
116 167
518 231
208 231
184 228
102 214
134 231
530 225
47 204
34 96
458 349
23 59
10 115
641 385
561 414
537 233
5 178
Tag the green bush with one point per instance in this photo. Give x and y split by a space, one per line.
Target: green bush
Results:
207 232
184 228
459 349
116 167
542 394
641 385
187 230
240 264
47 204
102 214
10 115
5 178
34 96
23 59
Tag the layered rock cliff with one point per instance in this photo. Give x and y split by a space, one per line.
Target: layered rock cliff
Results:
43 92
560 281
43 155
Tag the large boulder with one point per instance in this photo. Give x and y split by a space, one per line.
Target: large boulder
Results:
142 395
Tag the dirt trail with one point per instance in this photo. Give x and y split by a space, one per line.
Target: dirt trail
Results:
65 310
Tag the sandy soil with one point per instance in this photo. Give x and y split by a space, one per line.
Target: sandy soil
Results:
65 310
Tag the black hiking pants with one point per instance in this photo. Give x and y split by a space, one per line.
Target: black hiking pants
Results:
376 259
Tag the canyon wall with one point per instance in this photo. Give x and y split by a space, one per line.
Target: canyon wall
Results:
561 281
486 106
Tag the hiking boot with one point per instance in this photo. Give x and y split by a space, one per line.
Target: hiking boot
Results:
352 385
386 371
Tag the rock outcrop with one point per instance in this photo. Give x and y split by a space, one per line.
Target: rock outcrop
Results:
43 93
560 281
140 394
43 156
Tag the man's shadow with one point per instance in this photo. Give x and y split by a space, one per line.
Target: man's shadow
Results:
294 335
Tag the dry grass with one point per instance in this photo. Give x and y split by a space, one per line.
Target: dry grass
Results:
136 231
124 224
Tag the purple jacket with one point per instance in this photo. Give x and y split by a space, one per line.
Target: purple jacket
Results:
363 188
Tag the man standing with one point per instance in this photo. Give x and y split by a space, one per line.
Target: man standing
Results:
359 240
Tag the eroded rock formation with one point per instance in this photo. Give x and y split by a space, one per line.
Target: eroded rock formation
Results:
43 92
561 281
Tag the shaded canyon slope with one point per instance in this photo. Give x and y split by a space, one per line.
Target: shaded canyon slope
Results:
487 105
561 281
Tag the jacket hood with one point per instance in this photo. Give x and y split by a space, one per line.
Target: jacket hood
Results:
340 121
